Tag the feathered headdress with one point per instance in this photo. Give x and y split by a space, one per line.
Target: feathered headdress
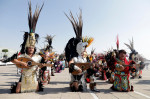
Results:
32 20
70 49
89 40
134 54
49 39
92 51
48 47
31 38
130 45
77 24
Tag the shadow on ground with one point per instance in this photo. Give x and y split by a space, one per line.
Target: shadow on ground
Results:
143 82
9 74
4 91
55 83
54 90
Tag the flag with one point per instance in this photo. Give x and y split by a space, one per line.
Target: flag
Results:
117 43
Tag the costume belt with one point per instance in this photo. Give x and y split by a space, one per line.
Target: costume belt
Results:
120 73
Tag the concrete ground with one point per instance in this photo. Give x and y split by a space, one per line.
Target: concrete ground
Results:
59 87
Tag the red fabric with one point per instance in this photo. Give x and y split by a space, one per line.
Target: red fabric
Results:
87 80
126 70
19 53
105 78
119 76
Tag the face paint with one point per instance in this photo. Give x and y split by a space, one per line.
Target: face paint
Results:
81 47
135 58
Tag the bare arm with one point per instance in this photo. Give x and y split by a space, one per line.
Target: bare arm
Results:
76 71
23 64
119 67
71 61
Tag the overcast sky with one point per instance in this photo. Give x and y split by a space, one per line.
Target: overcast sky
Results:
102 19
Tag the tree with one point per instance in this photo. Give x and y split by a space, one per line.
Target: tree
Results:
5 50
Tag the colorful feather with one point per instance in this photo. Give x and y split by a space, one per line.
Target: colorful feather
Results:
89 40
32 20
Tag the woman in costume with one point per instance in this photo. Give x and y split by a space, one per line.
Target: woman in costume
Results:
74 53
28 80
122 73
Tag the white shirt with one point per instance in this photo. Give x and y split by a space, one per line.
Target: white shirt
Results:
79 59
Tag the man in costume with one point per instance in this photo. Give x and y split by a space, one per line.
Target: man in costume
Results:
122 73
47 57
110 58
137 58
28 80
74 53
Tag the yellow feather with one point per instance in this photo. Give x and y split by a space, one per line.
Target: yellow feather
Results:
83 39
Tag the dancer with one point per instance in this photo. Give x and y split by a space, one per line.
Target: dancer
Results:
74 52
122 73
47 57
28 80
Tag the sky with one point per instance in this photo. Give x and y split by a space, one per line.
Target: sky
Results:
102 19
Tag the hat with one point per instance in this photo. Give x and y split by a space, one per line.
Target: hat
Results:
77 45
48 49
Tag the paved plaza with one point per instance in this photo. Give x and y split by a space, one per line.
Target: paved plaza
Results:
59 87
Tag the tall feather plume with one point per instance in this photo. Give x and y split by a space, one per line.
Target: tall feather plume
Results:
128 46
131 46
132 43
49 39
32 20
92 51
77 24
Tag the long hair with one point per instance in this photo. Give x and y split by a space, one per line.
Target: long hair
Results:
24 43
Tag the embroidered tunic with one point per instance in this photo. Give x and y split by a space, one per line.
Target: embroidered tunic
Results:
121 80
29 79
